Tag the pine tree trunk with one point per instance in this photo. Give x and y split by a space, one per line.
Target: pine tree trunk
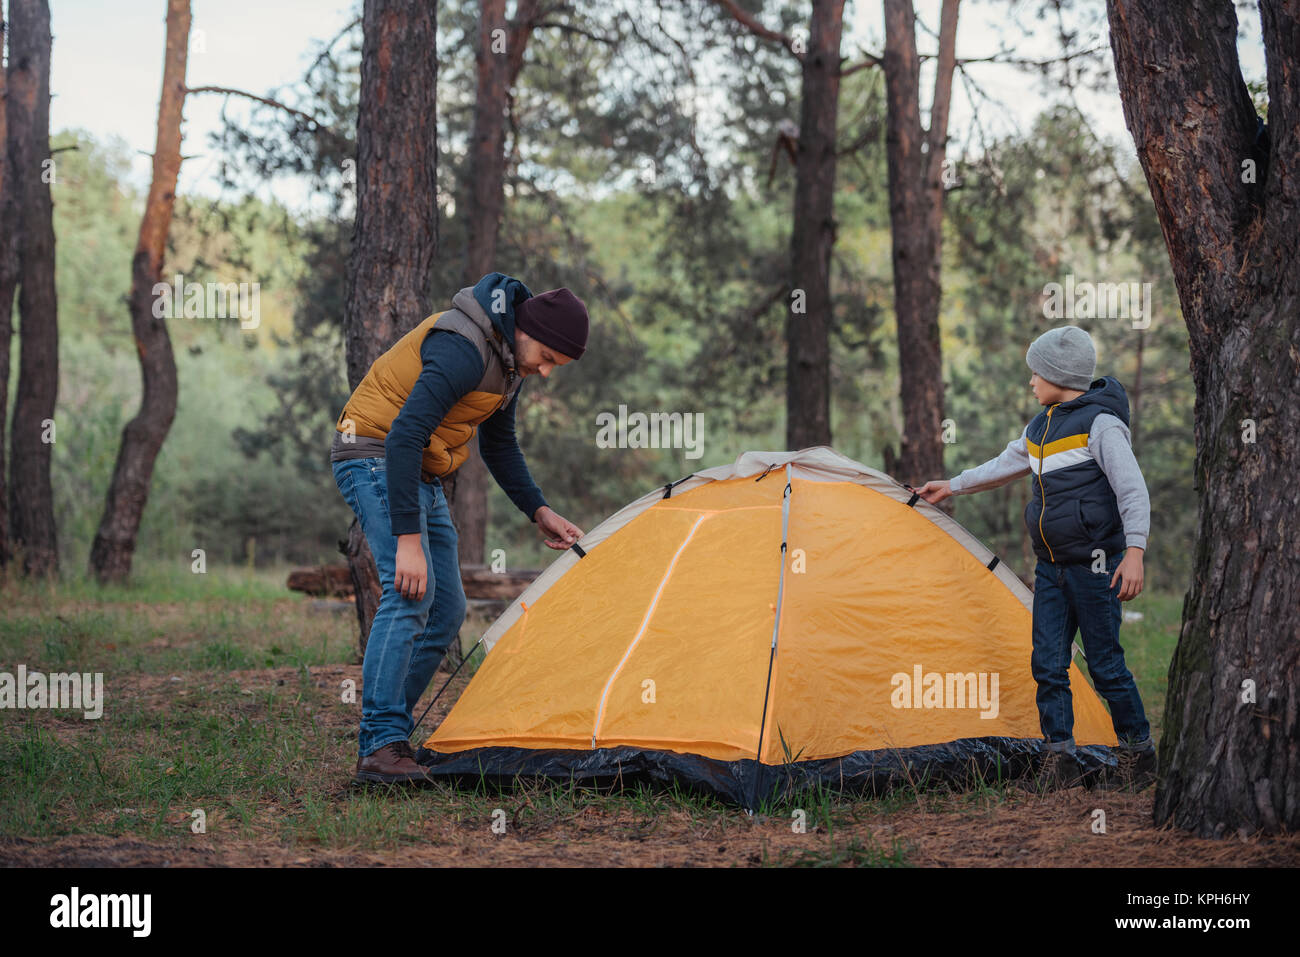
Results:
8 285
808 322
128 492
1230 755
1135 395
31 497
366 587
394 239
499 59
915 159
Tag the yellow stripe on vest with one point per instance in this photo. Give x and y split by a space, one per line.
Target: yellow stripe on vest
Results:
1079 441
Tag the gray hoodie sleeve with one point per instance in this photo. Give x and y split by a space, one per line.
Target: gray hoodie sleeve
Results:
1011 464
1110 445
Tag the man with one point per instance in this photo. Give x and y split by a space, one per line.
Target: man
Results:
408 423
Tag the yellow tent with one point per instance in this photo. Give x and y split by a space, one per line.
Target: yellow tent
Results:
793 616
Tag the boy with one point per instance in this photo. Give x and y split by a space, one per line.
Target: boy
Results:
408 423
1088 520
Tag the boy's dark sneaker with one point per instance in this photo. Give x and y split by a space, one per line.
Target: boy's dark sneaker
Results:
392 764
1057 771
1135 770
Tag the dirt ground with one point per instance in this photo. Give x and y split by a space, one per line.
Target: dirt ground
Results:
1055 830
1016 830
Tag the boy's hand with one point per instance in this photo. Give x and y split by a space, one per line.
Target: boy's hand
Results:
1130 573
411 575
562 532
934 492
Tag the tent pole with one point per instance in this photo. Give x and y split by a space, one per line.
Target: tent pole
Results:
776 624
463 659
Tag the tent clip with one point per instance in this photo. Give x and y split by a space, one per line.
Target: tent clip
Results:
668 489
763 475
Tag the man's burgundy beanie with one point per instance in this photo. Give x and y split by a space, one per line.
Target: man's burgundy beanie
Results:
557 319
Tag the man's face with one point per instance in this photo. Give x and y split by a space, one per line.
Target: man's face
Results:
533 357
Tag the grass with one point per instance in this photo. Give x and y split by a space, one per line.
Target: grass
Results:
853 852
1149 647
223 696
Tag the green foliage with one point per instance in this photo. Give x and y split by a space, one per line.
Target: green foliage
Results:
643 175
1032 212
209 490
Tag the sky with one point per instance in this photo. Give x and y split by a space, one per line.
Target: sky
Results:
107 59
106 69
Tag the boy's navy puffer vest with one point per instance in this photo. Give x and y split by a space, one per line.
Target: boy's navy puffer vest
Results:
1073 510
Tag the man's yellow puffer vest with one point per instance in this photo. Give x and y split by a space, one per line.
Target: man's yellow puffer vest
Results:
381 394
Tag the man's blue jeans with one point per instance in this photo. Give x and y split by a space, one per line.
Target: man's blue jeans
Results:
408 637
1069 597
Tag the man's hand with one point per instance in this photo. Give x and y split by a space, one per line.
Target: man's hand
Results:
412 574
560 531
934 492
1130 573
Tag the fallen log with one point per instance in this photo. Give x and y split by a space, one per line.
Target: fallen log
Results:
324 581
480 582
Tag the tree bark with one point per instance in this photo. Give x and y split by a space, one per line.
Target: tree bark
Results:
500 57
1135 396
394 238
1229 759
112 552
31 497
807 332
812 234
8 286
365 581
915 160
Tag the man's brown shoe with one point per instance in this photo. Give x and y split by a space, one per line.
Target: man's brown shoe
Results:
392 764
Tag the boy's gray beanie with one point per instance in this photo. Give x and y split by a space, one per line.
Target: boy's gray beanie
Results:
1064 357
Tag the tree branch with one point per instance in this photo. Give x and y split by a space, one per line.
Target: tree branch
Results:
750 22
937 134
1021 61
870 60
228 91
570 28
329 47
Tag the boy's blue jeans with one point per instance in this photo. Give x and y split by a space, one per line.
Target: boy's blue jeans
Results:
1069 597
408 637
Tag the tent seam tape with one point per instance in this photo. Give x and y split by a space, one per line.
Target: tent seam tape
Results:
645 623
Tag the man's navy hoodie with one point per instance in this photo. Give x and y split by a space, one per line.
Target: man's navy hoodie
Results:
452 368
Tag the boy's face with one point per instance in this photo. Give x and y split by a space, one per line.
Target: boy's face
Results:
1048 393
533 357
